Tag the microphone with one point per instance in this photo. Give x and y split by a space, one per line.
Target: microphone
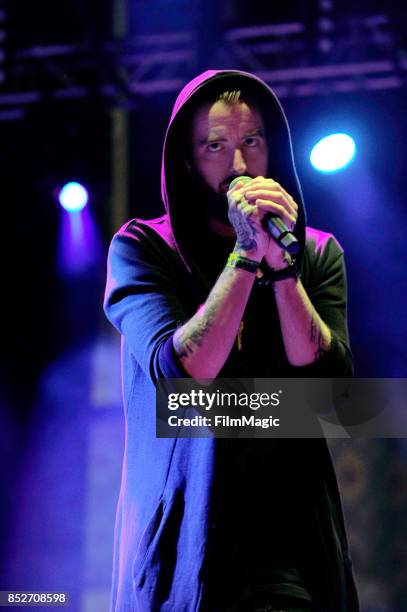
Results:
274 226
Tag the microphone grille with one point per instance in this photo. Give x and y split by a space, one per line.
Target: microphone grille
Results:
243 179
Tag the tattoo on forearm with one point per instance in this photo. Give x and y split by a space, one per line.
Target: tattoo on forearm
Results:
244 228
186 342
191 336
316 338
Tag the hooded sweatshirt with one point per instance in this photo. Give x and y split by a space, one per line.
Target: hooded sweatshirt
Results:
174 537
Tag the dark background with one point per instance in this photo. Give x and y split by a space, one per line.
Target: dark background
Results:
52 320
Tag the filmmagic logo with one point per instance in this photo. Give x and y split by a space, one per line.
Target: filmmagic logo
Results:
207 401
224 421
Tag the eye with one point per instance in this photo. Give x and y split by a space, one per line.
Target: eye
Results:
251 141
214 147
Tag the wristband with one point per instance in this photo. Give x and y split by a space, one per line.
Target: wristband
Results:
273 276
238 261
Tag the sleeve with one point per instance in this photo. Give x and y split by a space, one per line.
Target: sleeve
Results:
328 294
141 301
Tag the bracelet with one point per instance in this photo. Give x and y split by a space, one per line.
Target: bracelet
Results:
238 261
273 276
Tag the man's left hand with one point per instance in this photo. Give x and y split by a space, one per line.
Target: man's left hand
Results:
271 197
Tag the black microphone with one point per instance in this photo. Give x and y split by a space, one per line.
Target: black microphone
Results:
274 225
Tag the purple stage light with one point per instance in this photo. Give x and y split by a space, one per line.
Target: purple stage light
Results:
79 244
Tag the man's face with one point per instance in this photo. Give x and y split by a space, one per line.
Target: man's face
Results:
228 140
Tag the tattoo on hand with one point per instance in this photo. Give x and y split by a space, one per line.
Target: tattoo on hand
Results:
244 228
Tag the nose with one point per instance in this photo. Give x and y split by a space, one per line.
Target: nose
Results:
239 164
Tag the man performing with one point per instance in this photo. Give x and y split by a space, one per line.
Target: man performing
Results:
215 524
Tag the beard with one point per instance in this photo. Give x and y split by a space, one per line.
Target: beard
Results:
217 206
210 203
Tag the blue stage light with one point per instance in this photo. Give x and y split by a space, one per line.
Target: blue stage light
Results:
333 153
73 197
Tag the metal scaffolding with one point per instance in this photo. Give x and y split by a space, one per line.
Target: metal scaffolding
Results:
297 59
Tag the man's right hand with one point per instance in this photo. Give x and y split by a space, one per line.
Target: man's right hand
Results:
251 239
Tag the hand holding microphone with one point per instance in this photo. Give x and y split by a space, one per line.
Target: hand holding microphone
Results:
281 218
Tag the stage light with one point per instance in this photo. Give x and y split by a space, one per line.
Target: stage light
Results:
333 153
73 197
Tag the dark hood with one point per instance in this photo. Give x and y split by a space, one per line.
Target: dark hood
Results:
183 204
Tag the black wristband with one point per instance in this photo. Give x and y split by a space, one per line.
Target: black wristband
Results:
273 276
238 261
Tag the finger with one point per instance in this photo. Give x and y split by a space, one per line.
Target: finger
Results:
236 187
275 196
237 200
247 209
261 183
288 196
259 178
277 209
250 211
235 195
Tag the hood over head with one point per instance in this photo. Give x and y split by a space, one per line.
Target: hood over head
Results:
185 196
